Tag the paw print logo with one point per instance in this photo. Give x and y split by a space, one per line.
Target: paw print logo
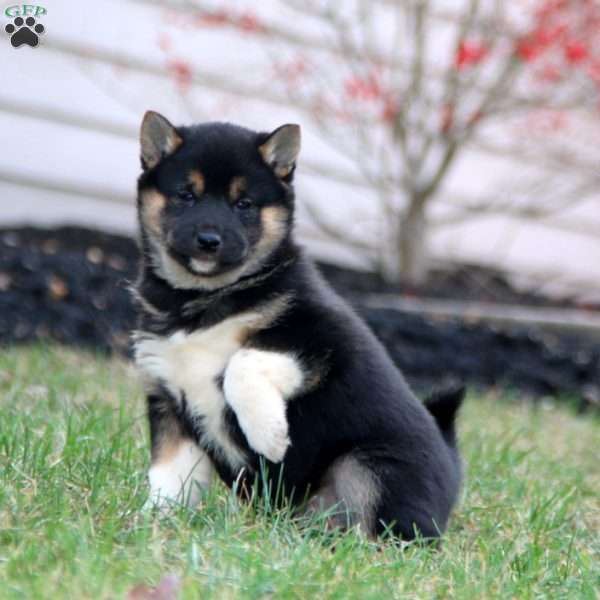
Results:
24 32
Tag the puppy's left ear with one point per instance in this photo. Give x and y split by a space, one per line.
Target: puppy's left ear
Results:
280 150
158 138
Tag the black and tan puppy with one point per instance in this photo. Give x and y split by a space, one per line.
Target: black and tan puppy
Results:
246 352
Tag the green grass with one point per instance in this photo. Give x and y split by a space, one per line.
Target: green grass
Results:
73 456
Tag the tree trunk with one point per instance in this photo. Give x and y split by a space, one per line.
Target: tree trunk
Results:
405 255
413 250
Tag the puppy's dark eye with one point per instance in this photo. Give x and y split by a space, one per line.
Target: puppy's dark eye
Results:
243 204
185 196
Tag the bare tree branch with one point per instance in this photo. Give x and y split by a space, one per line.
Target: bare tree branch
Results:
334 232
404 118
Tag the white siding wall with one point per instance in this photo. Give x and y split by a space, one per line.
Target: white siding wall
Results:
54 172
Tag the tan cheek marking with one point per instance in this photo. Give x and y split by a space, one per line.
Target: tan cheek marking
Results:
152 205
274 223
236 187
196 180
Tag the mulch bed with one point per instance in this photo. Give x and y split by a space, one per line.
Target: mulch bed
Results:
70 285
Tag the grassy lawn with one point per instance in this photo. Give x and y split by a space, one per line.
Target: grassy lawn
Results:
73 456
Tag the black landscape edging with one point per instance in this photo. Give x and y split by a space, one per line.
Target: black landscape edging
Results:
70 285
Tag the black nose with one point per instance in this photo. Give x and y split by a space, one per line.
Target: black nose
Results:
208 240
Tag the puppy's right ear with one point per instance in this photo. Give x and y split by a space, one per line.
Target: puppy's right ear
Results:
158 138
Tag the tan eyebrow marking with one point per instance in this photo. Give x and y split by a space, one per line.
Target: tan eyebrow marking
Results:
196 180
237 186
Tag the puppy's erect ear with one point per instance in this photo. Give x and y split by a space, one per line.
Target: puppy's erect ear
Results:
158 138
281 149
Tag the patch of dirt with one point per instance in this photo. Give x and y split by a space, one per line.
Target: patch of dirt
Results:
70 285
67 284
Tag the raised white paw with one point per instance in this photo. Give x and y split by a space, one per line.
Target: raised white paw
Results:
257 384
267 436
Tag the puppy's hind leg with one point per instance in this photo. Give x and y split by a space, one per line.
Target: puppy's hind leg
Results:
348 495
180 470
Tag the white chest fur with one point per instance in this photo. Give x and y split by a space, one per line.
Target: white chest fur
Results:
191 363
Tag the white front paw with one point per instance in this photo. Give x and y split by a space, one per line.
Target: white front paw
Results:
257 384
269 437
180 479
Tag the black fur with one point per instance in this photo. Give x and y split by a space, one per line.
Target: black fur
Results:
357 403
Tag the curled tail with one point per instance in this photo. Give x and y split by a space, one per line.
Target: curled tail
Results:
443 405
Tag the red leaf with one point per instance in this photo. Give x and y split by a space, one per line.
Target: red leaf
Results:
363 88
576 52
182 72
527 50
391 109
167 589
545 36
249 22
550 74
217 18
469 54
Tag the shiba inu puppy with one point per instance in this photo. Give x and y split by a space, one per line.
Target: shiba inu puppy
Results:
251 360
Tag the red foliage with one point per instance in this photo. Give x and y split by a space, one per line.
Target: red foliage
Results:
182 73
469 54
363 88
565 24
547 35
564 37
575 52
247 21
391 109
528 50
217 18
550 73
539 40
548 8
